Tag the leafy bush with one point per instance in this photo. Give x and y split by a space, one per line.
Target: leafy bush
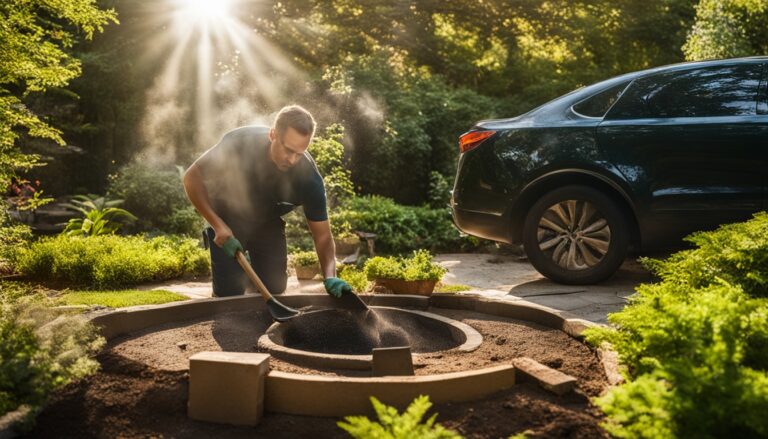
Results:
155 196
418 267
695 346
403 121
354 277
111 261
736 253
399 228
393 425
328 153
40 351
185 221
101 216
12 238
304 259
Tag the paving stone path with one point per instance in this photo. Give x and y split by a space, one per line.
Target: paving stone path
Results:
501 277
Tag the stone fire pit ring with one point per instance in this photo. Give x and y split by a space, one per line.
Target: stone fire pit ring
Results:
457 335
283 392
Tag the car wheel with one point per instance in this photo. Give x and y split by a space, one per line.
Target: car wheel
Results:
576 235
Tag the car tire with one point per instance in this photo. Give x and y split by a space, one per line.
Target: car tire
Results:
576 235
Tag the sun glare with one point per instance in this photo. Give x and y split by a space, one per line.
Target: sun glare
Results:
204 10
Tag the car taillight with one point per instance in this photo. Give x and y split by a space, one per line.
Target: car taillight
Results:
473 139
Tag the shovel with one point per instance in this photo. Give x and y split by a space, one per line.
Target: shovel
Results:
350 302
278 311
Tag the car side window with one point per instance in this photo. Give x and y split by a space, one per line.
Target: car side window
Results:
599 103
708 91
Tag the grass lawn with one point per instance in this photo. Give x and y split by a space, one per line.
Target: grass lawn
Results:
451 288
120 298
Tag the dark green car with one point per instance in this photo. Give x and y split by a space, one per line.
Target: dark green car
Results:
638 160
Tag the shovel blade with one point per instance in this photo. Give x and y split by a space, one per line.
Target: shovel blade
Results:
281 312
351 302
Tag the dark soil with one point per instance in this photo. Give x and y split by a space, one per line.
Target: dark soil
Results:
358 333
141 390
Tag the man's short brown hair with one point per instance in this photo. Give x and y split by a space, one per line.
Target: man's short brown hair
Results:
296 117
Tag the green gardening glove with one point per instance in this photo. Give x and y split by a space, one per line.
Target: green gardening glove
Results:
231 247
336 287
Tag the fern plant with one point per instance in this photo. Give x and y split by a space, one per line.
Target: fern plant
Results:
101 216
393 425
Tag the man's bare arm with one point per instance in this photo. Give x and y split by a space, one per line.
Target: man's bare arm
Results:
326 249
198 196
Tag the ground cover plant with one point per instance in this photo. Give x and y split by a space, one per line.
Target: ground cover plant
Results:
418 266
695 345
40 350
111 261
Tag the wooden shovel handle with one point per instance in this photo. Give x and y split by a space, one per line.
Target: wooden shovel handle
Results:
253 276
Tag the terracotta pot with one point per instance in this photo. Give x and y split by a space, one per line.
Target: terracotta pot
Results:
399 286
307 272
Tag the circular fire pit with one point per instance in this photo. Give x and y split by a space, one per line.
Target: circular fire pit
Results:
340 339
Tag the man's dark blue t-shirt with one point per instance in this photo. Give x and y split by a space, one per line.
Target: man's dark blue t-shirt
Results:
246 188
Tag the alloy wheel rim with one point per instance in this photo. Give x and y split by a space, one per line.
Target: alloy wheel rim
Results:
574 234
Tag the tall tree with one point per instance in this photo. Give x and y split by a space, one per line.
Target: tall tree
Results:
729 28
35 37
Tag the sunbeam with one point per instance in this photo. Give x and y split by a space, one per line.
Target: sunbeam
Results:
214 70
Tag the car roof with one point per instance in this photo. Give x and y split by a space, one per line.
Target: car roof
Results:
565 101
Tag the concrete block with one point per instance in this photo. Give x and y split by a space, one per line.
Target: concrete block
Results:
548 378
392 361
227 387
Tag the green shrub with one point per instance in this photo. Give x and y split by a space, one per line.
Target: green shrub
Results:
304 259
111 261
155 196
399 228
393 425
12 238
354 277
417 267
185 221
694 347
40 350
736 253
328 153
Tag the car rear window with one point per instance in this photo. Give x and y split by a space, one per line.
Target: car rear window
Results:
709 91
599 104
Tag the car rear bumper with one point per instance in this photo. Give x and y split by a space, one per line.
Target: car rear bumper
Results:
482 225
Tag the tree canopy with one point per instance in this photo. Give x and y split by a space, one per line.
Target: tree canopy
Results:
35 42
403 78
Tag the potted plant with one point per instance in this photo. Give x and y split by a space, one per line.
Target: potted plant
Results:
306 264
345 240
413 275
